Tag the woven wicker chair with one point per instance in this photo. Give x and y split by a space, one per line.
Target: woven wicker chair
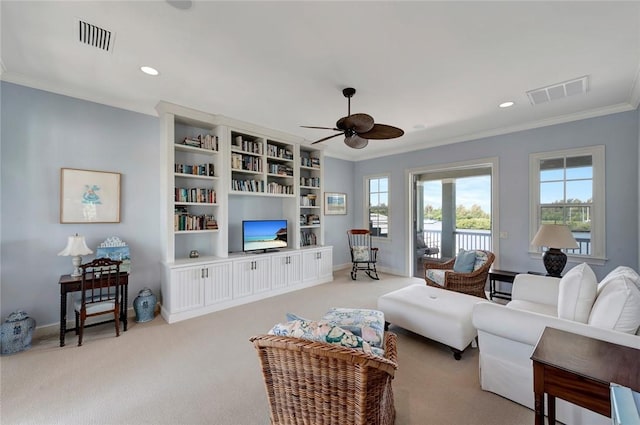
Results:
472 283
318 383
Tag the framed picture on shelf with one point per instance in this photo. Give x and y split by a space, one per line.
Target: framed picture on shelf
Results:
88 196
335 203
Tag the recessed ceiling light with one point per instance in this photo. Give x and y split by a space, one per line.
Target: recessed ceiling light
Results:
149 70
506 104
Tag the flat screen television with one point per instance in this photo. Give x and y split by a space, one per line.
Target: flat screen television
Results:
264 235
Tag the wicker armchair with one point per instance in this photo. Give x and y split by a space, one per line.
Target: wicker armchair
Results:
472 283
318 383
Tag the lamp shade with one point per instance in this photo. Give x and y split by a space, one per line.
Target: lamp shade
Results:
76 245
554 236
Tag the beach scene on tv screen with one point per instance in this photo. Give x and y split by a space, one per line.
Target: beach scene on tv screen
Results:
265 235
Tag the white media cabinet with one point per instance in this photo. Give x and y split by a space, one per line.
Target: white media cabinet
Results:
216 172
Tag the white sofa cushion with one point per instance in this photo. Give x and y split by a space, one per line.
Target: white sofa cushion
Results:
546 309
617 305
577 293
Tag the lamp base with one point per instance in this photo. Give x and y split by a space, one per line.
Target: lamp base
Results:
76 261
554 261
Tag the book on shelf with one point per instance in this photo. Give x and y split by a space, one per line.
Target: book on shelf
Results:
308 238
196 195
202 141
196 170
183 221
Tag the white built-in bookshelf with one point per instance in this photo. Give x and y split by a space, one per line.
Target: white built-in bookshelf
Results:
210 165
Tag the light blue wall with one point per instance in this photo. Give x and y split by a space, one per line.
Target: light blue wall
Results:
619 134
338 176
42 132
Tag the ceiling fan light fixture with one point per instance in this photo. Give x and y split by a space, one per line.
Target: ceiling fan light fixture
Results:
356 142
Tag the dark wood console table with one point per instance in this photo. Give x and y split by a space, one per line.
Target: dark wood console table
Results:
502 276
580 370
70 284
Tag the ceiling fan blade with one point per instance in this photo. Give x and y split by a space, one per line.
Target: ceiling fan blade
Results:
356 142
382 131
327 138
321 128
361 123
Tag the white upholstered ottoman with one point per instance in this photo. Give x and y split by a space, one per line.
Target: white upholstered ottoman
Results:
438 314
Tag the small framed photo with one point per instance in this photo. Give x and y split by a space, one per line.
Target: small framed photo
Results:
335 203
88 196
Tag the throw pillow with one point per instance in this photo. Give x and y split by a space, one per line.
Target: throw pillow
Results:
481 260
324 331
465 261
617 305
577 292
360 253
292 316
365 323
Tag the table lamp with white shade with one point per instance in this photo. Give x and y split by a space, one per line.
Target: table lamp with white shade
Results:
76 247
554 237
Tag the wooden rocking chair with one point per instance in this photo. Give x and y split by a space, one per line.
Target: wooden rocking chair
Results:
363 255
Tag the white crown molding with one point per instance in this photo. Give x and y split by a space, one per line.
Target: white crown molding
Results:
562 119
12 77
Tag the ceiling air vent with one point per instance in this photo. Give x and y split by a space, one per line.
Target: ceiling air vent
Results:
93 35
558 91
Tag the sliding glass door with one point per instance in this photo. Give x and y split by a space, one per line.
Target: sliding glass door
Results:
452 211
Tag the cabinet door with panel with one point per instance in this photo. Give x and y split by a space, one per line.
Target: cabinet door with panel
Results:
251 276
186 288
317 264
217 283
325 263
286 270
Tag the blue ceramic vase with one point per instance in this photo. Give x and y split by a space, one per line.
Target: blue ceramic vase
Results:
144 305
17 332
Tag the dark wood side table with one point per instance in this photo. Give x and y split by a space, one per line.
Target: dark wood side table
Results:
580 370
502 276
70 284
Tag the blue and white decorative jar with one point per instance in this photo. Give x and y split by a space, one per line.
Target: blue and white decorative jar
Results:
17 332
145 305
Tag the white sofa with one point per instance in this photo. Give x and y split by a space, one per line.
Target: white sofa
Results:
507 335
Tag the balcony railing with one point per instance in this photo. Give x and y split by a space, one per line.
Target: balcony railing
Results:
474 239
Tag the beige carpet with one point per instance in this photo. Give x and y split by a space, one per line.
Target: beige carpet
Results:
205 371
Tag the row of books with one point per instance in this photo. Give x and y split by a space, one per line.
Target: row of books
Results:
281 169
247 185
308 238
309 219
310 162
202 141
310 181
308 200
196 194
279 188
246 162
279 152
248 145
198 170
183 221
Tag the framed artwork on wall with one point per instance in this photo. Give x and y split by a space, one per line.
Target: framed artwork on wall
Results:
335 203
88 196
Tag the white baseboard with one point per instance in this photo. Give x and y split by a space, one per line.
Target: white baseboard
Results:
54 328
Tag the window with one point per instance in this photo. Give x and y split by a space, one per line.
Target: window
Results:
377 188
567 187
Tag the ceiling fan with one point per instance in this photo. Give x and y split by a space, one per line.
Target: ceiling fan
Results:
359 128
